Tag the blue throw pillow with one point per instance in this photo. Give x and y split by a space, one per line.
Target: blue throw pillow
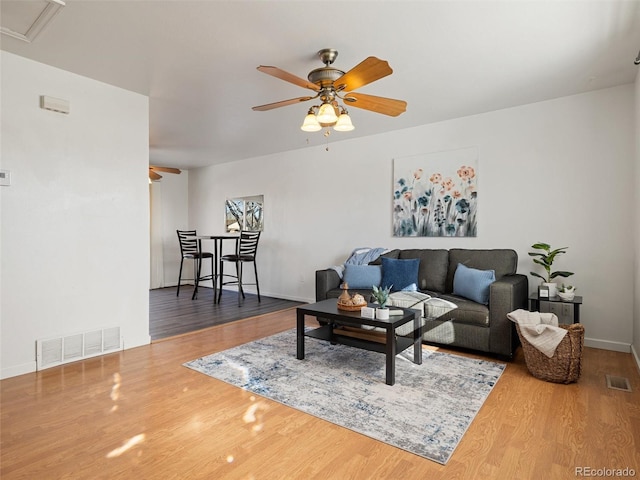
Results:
399 274
362 276
472 283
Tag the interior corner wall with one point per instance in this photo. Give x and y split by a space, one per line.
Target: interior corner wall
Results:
171 197
75 220
555 171
636 309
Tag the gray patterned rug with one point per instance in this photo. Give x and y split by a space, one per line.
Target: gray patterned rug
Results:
426 412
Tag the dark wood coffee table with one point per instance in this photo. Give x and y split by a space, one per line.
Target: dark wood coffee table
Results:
343 328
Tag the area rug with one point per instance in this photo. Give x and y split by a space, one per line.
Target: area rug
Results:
426 412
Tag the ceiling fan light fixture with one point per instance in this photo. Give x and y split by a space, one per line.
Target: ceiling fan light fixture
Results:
327 114
331 85
310 123
344 123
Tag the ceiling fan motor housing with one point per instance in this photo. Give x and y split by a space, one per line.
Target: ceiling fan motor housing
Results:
325 76
328 55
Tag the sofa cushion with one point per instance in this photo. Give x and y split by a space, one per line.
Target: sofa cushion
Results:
391 254
399 274
468 312
432 273
472 283
362 276
502 261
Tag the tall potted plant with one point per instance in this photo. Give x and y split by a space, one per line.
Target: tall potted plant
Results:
546 258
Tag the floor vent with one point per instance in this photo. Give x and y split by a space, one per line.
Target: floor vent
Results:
618 383
60 350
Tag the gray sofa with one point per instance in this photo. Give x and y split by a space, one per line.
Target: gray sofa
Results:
472 325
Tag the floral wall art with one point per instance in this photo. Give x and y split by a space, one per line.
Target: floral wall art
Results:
436 194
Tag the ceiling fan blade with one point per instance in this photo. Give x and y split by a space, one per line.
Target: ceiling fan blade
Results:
283 103
367 71
154 176
165 169
386 106
288 77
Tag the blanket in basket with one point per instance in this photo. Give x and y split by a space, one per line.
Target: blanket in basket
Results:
540 329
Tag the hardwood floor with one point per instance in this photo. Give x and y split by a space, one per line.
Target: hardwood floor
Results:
170 315
141 414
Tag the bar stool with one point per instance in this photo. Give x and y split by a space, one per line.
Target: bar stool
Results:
190 249
246 249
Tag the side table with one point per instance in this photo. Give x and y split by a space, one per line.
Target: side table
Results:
568 311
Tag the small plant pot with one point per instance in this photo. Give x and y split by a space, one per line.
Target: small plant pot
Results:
382 313
553 289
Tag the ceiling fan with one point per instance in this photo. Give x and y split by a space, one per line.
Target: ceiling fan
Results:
331 84
155 176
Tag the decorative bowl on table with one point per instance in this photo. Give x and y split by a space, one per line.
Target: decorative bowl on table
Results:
348 302
566 296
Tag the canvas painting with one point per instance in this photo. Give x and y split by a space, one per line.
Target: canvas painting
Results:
436 194
244 213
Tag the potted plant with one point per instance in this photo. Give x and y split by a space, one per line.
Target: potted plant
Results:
546 259
382 296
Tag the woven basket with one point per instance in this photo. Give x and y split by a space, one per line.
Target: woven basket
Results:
566 364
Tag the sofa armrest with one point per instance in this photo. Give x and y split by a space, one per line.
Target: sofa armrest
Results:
506 295
326 280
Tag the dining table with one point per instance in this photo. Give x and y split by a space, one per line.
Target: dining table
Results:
217 253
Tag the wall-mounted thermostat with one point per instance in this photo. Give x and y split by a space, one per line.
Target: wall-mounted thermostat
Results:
5 178
59 105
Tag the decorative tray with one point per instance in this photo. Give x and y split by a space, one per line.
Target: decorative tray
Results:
350 308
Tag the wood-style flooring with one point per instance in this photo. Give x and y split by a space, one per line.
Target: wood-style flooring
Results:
139 414
170 315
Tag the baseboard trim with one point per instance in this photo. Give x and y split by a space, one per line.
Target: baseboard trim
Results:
252 290
291 297
634 352
16 370
607 345
32 367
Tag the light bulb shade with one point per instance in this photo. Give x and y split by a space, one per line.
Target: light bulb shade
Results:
344 123
327 114
310 124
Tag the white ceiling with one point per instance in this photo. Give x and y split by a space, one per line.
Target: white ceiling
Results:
197 60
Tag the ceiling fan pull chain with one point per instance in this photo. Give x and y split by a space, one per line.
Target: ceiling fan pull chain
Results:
326 135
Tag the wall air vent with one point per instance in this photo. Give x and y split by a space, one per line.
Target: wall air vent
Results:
57 351
26 20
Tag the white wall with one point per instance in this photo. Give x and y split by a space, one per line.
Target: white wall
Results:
555 171
169 198
75 221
